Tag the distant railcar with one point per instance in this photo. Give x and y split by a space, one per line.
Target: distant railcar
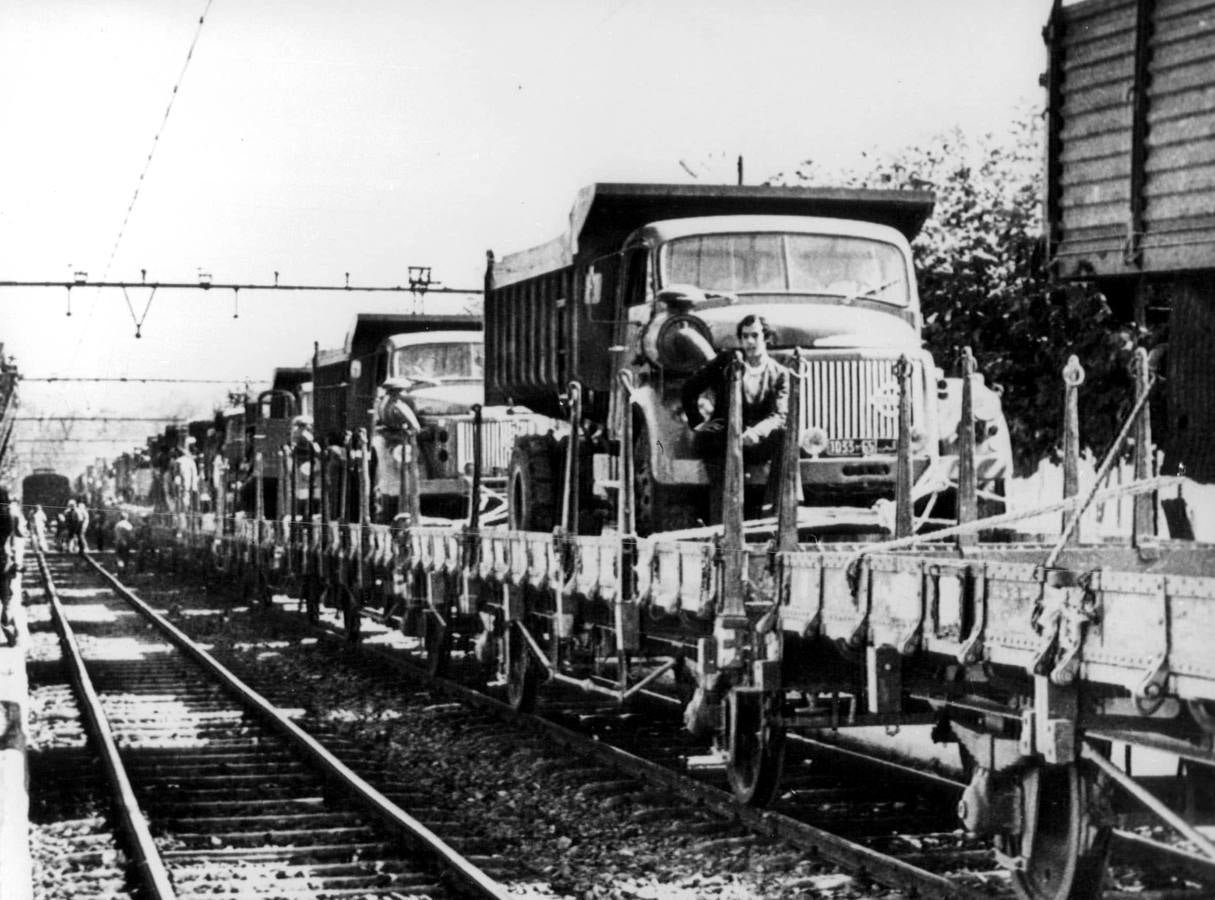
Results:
48 489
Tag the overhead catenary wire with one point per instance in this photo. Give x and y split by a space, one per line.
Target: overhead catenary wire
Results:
133 380
156 140
238 286
53 418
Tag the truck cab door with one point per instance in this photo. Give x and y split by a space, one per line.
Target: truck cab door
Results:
597 322
636 301
634 307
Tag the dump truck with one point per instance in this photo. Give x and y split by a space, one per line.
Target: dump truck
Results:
649 283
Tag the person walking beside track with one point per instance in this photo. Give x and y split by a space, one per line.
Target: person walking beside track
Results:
38 526
100 527
13 534
124 539
82 528
67 531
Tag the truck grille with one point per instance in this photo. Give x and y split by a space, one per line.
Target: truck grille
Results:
499 440
858 399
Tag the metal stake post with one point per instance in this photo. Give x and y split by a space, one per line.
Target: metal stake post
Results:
627 616
968 504
1073 377
478 472
902 485
732 545
569 508
364 505
790 463
1145 504
259 506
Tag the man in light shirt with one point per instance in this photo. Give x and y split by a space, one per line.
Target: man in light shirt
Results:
765 395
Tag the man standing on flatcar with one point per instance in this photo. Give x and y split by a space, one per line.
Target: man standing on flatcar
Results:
765 398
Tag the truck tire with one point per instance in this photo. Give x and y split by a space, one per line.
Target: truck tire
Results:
532 483
657 507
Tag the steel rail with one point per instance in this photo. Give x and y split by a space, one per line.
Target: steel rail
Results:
1149 800
469 877
886 870
148 861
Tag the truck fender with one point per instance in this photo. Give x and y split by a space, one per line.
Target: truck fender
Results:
643 407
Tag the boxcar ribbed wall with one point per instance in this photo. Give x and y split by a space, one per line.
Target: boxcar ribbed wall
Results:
1133 160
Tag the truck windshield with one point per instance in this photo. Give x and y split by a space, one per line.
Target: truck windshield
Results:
440 362
768 263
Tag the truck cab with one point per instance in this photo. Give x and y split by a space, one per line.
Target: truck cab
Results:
431 382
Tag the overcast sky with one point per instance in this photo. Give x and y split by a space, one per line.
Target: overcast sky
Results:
320 138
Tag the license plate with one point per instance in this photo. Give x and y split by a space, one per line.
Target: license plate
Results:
854 447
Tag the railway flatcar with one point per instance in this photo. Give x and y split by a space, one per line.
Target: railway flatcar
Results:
45 488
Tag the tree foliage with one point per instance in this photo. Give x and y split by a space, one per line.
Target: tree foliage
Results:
983 284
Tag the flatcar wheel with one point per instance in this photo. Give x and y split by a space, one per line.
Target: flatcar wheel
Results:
265 590
249 584
1062 847
1203 713
314 589
522 678
352 622
436 639
219 559
756 747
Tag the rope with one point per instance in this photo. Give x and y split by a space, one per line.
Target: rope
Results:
1103 472
1130 488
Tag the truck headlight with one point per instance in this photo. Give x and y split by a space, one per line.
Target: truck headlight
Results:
678 342
813 440
396 413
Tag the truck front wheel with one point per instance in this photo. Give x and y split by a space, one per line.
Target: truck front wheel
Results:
657 507
532 484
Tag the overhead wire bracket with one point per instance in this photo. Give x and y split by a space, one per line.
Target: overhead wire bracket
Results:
138 322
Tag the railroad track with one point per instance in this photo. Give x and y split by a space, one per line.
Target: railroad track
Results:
895 831
216 788
75 843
